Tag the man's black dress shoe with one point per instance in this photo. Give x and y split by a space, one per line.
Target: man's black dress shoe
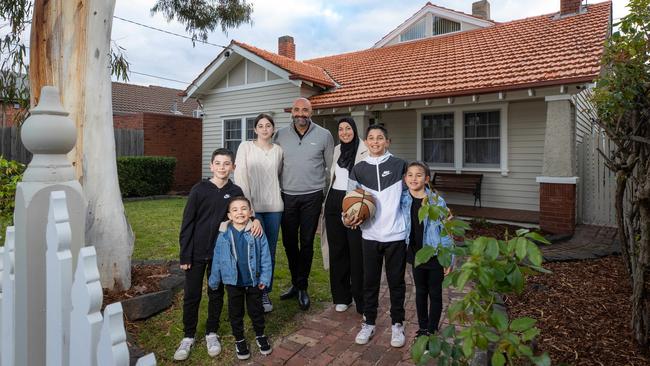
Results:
290 293
303 299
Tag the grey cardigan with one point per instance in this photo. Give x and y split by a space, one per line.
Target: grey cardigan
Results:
362 153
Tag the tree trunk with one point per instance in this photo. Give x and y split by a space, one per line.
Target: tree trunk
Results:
621 184
70 46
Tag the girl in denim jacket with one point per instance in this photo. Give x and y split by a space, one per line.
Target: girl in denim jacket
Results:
427 276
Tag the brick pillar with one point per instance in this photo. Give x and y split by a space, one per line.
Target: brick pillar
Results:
557 206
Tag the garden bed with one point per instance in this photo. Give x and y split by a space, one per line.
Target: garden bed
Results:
583 312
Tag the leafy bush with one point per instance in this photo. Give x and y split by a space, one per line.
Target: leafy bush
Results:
11 172
141 176
491 267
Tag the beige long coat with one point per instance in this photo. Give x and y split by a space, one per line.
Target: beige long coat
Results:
362 153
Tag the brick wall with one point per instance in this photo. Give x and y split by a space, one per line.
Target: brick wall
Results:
557 208
128 121
7 115
569 6
177 136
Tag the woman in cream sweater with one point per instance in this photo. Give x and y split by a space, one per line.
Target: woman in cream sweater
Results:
257 171
341 246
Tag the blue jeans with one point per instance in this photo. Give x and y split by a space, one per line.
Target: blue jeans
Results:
271 225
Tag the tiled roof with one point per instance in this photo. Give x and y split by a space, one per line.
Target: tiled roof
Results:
519 54
298 70
130 98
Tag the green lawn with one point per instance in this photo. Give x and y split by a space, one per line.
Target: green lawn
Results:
156 224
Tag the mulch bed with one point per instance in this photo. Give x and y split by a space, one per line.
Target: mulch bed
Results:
583 312
144 280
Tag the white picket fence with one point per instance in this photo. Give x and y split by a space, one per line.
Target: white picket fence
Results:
77 333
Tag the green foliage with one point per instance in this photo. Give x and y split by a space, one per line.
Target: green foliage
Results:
141 176
11 172
14 87
490 267
202 16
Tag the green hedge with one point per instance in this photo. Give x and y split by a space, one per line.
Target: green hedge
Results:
11 172
142 176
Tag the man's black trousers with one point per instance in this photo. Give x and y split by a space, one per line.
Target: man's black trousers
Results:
374 255
239 299
192 299
299 221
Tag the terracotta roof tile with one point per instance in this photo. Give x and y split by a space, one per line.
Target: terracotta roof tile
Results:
519 54
298 70
131 98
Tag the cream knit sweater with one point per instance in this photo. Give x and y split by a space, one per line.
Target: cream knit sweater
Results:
257 173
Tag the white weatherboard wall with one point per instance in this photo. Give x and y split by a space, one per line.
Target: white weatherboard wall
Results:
518 190
246 102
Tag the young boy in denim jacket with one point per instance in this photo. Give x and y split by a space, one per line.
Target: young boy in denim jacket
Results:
242 262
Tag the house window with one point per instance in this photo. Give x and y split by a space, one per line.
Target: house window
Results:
236 129
416 31
442 26
438 139
482 146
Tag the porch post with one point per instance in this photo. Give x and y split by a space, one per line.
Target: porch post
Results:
557 191
362 119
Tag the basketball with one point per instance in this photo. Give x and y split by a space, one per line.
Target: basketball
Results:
359 202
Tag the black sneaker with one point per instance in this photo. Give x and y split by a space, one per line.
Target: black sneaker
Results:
242 350
264 345
422 332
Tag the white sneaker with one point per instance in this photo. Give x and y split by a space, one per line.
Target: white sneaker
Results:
183 351
364 335
397 338
341 307
212 342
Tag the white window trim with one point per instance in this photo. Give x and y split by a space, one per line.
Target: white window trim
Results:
458 112
242 120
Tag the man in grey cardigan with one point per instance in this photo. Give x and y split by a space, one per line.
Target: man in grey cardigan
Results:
308 150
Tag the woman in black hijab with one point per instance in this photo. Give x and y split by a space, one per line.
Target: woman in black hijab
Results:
341 246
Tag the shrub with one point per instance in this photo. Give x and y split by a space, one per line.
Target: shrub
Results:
11 172
141 176
490 267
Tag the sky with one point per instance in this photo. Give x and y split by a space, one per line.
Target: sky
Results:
319 28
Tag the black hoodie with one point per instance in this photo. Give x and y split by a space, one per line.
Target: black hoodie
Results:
207 206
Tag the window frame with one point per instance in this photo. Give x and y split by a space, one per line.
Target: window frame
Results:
465 138
459 136
243 127
453 137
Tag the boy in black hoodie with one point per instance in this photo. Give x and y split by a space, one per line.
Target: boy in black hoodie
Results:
206 208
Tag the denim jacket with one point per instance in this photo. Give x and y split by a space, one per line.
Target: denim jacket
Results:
432 228
224 261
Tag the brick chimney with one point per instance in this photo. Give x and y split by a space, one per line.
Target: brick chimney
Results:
570 7
481 9
286 47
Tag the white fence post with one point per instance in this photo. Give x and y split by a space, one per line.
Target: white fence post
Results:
112 349
58 262
7 318
85 320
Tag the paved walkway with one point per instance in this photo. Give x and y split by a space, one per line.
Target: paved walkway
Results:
327 337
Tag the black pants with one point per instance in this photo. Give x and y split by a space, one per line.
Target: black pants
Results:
300 219
346 258
192 299
251 297
374 254
428 294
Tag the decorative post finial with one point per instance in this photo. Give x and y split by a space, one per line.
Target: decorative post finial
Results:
49 134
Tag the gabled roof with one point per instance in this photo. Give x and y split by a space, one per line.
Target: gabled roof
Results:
131 98
436 9
536 51
298 70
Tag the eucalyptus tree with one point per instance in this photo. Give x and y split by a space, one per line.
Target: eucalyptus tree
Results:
70 48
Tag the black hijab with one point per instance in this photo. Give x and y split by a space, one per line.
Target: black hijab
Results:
349 150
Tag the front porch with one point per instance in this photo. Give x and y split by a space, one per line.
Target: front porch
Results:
493 213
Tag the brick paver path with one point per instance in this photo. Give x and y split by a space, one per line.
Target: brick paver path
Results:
588 242
327 337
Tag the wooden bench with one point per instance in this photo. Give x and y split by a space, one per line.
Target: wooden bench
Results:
463 183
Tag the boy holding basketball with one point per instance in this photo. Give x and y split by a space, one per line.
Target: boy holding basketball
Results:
383 235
